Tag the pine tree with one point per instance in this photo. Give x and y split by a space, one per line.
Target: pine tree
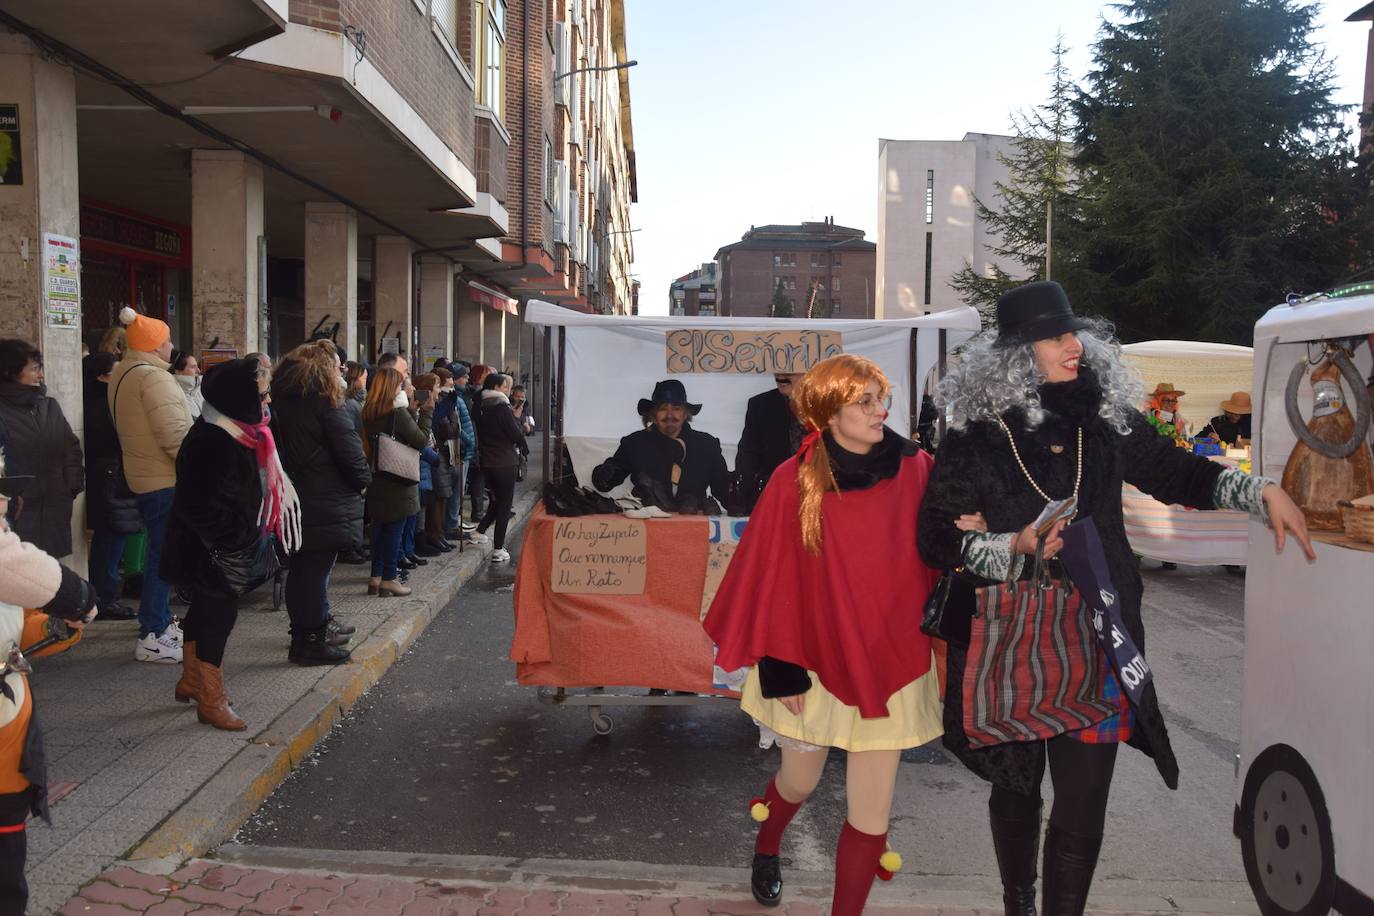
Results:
780 307
1040 192
1217 175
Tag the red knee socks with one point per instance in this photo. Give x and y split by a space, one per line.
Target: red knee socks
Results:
780 812
856 863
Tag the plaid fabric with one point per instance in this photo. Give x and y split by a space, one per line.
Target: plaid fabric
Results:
1030 673
1117 727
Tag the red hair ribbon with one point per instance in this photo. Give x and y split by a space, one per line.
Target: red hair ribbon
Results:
809 443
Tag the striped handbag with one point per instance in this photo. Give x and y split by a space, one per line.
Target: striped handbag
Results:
1033 670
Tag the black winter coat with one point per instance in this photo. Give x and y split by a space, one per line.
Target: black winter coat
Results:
110 504
651 455
976 472
41 443
500 438
771 435
217 500
324 458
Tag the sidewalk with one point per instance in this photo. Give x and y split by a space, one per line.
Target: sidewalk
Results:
135 777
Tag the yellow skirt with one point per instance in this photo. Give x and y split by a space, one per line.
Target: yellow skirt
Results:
913 716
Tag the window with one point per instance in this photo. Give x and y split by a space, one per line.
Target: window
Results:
489 16
785 259
445 13
834 308
930 200
550 181
835 262
789 284
930 239
835 284
817 261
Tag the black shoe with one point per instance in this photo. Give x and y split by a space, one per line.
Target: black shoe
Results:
1017 844
452 534
353 558
1167 565
442 546
426 550
402 575
1070 860
408 563
766 880
417 559
338 626
117 612
314 649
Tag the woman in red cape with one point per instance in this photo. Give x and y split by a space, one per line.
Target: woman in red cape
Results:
823 599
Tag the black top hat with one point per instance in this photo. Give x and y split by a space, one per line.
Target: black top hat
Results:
668 391
1035 311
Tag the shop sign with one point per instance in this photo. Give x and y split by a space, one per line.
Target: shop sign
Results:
216 356
600 555
62 280
130 231
492 299
749 352
11 158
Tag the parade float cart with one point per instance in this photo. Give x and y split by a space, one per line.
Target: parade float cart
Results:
1209 373
1305 772
608 609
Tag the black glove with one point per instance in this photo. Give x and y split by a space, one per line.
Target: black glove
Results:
74 598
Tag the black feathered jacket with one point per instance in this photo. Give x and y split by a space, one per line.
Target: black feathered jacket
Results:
975 471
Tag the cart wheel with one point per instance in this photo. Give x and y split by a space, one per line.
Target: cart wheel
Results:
279 591
602 724
1286 836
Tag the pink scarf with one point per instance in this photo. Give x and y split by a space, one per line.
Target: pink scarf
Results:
281 509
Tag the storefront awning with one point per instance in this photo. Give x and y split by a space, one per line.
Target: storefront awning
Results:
490 297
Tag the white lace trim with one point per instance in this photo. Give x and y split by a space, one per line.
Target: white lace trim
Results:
768 738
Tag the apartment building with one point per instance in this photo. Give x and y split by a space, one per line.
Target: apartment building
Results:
824 270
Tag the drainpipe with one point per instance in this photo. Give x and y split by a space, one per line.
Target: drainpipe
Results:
525 135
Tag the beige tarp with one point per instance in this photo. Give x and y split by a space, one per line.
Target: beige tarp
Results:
1207 372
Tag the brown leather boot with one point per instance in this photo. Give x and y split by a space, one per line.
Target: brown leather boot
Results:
212 706
188 688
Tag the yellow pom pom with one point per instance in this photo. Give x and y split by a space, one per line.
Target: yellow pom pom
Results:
758 811
891 861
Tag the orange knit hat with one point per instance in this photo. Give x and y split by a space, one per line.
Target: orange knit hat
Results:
144 334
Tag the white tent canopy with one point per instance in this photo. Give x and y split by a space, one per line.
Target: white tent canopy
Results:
1208 373
611 362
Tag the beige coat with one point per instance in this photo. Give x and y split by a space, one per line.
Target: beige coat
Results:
30 579
151 417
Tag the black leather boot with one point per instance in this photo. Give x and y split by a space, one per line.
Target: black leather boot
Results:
1016 841
1070 860
313 648
766 880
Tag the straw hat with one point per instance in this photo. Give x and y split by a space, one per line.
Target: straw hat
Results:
1168 388
1239 402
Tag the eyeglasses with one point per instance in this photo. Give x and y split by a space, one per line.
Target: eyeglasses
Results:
873 405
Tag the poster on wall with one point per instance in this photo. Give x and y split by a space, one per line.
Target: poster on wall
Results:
62 280
11 158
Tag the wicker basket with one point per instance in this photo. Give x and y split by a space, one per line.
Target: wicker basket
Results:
1359 518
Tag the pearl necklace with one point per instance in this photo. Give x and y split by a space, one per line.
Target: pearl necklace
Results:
1078 474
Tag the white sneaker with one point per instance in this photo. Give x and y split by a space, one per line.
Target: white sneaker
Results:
154 648
174 630
476 537
500 555
467 526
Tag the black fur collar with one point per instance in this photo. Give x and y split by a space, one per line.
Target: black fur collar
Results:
1077 401
859 472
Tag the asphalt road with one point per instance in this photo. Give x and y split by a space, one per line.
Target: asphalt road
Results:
448 755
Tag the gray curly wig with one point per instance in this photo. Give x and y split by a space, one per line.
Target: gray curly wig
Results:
989 380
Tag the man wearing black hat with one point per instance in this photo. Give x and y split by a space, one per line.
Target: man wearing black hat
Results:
670 464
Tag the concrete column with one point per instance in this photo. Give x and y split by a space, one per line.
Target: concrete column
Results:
44 200
331 271
226 223
469 316
436 310
393 288
493 338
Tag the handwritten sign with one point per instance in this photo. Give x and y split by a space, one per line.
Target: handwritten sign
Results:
749 352
600 555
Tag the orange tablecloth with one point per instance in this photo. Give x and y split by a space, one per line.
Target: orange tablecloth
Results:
653 639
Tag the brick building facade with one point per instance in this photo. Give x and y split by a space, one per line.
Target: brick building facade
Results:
825 269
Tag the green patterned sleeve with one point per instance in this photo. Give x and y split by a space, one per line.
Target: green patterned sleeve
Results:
989 556
1241 492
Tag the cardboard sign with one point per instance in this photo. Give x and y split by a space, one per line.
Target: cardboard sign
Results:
749 352
600 555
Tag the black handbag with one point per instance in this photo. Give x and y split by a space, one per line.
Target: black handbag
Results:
243 569
949 610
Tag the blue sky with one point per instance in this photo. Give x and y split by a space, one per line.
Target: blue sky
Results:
769 111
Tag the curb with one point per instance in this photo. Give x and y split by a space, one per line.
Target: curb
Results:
222 805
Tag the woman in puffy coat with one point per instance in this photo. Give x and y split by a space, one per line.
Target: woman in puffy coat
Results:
111 509
324 459
390 501
231 495
41 444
